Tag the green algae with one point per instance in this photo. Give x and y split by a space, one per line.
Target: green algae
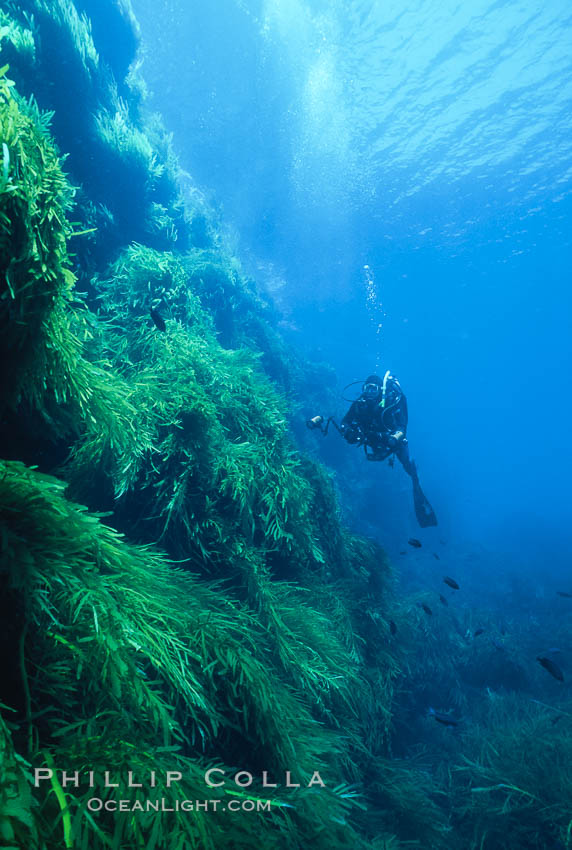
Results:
135 662
36 278
119 657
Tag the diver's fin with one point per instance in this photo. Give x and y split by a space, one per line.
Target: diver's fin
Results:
423 510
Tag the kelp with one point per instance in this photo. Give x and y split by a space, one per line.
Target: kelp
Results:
128 169
268 645
115 31
17 38
44 328
501 773
223 489
18 826
409 802
36 274
221 459
511 787
138 663
194 436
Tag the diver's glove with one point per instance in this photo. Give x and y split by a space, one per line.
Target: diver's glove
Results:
352 433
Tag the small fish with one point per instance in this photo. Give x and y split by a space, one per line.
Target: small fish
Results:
451 582
554 650
392 627
403 552
555 720
436 556
158 319
414 542
551 667
443 599
497 645
478 632
445 719
427 609
564 593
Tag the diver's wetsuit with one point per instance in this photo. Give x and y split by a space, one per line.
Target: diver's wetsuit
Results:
371 424
377 420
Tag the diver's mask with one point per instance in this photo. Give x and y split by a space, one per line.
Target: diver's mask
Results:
370 391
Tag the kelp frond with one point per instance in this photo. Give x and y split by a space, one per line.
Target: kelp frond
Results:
129 649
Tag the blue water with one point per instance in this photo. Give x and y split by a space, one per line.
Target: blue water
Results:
434 144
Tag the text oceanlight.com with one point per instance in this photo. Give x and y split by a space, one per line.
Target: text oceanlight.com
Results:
96 804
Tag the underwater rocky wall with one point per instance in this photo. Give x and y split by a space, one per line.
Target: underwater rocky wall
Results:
142 378
178 591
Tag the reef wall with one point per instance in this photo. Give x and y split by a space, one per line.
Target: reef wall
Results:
144 380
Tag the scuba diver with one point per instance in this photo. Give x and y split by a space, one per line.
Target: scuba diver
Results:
377 420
